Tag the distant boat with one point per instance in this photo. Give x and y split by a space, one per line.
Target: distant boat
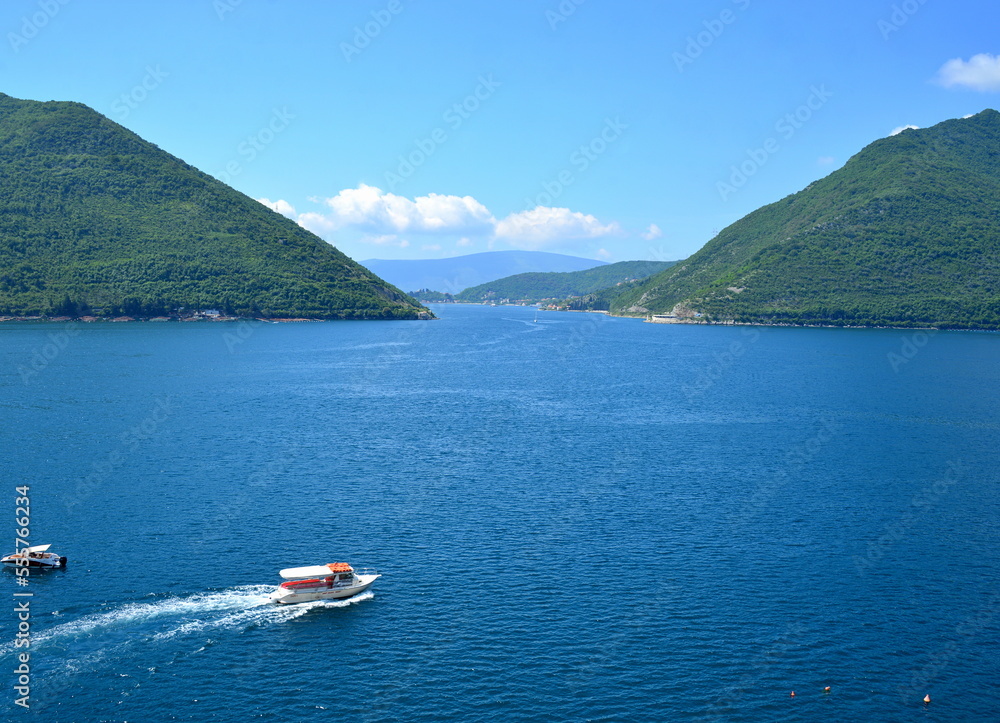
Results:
36 557
536 316
334 581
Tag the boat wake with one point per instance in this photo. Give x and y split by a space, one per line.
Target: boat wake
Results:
120 643
377 345
527 322
257 613
530 327
238 608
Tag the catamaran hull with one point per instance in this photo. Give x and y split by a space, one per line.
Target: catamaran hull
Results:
284 596
15 561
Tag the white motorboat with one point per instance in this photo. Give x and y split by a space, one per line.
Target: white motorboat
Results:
334 581
36 556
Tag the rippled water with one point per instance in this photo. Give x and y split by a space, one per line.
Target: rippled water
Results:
577 519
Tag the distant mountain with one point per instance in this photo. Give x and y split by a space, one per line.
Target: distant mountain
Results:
94 217
536 286
454 274
907 233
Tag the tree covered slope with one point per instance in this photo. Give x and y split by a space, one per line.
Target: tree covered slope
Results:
907 233
94 217
555 285
452 275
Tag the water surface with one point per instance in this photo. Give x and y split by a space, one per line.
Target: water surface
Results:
582 518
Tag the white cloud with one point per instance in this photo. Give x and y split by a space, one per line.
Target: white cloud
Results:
981 72
604 254
899 129
315 222
282 207
652 233
371 216
545 226
368 208
825 160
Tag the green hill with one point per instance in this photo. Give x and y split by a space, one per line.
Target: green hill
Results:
907 233
454 273
94 217
562 285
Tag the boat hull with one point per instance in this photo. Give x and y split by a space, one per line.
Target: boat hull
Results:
285 596
16 560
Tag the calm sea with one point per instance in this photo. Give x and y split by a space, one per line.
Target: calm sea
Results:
581 518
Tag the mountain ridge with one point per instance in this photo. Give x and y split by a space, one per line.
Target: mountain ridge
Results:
536 286
456 273
907 233
94 217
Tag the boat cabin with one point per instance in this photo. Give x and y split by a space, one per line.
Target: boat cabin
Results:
335 574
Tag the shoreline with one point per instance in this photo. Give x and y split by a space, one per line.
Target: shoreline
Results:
288 320
777 325
153 319
645 318
187 320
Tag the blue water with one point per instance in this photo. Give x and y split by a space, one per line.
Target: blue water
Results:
577 519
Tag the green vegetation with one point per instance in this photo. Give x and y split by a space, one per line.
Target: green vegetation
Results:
426 296
533 287
907 233
601 300
93 217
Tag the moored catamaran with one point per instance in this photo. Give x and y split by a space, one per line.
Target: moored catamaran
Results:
36 556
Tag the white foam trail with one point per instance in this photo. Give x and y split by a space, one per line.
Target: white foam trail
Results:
377 345
241 607
132 613
527 322
269 613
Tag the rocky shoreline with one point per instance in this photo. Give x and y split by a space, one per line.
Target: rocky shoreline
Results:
731 322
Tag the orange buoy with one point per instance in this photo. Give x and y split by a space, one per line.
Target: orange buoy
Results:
793 694
927 698
826 689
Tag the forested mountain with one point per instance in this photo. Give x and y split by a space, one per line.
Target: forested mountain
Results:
94 217
453 274
907 233
562 285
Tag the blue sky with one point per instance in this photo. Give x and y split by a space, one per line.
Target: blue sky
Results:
424 128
